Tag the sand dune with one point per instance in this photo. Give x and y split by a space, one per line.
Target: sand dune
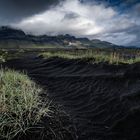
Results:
103 100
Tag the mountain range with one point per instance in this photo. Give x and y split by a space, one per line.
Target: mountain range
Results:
15 38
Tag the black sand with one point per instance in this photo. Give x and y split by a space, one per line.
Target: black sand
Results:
103 100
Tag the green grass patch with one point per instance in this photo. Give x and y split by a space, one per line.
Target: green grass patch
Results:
3 56
95 56
20 104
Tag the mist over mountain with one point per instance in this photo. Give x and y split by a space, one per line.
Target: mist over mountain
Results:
11 38
115 21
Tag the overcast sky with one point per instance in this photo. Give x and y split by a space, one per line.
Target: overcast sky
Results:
116 21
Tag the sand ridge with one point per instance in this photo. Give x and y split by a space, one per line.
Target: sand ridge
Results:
103 100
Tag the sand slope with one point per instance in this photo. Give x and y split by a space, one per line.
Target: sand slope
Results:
103 100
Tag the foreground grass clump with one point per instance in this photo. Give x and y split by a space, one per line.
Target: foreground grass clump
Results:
20 108
3 56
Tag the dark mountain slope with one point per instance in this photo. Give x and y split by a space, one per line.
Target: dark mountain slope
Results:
16 38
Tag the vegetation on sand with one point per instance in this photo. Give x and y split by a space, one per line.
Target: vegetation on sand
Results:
96 56
20 105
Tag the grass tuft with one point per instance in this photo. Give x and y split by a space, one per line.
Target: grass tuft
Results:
95 56
20 106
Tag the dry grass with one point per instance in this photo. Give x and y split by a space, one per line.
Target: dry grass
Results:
94 56
20 106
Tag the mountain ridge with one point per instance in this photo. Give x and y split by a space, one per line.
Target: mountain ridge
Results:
19 38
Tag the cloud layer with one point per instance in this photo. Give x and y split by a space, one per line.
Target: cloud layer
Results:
15 10
92 20
110 20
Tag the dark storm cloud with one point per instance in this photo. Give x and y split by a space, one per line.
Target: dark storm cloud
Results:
115 2
110 20
136 10
135 30
14 10
127 36
71 15
116 21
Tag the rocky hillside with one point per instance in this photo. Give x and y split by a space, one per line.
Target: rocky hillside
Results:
10 37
